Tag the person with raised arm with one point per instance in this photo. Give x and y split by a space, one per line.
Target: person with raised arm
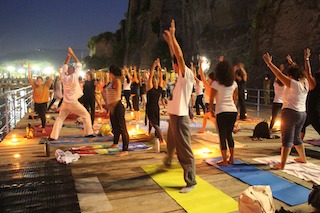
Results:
313 98
277 100
127 86
207 86
293 113
178 136
40 96
71 93
241 79
135 94
116 110
154 91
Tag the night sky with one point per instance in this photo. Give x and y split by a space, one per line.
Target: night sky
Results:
26 25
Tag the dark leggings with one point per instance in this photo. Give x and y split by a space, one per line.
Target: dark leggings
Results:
242 105
225 123
52 102
314 120
127 94
41 110
199 102
276 107
119 126
90 105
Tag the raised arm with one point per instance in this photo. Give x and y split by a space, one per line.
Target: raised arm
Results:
70 51
206 84
150 84
177 49
290 61
160 73
31 81
67 59
311 80
135 77
282 77
244 72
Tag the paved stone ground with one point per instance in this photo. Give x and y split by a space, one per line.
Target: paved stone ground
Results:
126 185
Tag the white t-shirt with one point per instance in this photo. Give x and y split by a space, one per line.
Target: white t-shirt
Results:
278 92
224 97
71 87
126 85
199 88
295 97
181 94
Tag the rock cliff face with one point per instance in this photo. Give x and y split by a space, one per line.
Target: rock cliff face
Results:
239 30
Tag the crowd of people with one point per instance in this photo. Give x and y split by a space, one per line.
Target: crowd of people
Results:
222 90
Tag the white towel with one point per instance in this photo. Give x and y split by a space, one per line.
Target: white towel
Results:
305 171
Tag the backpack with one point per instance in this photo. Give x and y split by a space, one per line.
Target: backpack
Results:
314 197
261 130
256 199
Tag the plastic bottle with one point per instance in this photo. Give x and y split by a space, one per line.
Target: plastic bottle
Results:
157 145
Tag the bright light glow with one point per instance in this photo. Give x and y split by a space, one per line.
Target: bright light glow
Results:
21 70
48 70
14 139
137 127
99 120
82 74
132 114
17 155
36 68
10 68
205 64
206 152
277 123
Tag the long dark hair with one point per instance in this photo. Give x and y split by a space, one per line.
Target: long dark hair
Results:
296 72
224 73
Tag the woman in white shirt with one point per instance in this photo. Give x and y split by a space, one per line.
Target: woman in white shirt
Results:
277 100
225 90
293 112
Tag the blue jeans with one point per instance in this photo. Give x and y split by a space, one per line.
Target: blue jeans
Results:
291 125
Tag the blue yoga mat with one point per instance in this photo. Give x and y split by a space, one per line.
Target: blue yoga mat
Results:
283 190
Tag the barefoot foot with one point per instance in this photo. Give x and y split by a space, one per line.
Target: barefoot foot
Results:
222 163
123 153
300 160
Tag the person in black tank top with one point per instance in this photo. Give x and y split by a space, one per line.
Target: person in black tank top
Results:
153 94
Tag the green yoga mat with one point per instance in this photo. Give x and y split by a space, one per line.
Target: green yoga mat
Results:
203 198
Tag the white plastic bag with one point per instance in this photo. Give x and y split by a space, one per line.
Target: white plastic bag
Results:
66 157
256 199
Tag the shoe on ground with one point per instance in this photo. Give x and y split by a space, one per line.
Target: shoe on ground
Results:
187 189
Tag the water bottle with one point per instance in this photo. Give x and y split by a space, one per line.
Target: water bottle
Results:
47 149
157 145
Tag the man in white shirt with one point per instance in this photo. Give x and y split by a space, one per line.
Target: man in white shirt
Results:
178 136
71 93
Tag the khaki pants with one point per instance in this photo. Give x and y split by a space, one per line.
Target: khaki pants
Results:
179 138
65 110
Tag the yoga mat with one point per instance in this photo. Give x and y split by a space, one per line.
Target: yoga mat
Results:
305 171
70 140
103 149
203 198
283 190
315 142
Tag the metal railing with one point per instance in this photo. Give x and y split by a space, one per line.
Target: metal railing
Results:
14 105
259 97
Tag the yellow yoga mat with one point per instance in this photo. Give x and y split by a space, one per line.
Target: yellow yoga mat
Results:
203 198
